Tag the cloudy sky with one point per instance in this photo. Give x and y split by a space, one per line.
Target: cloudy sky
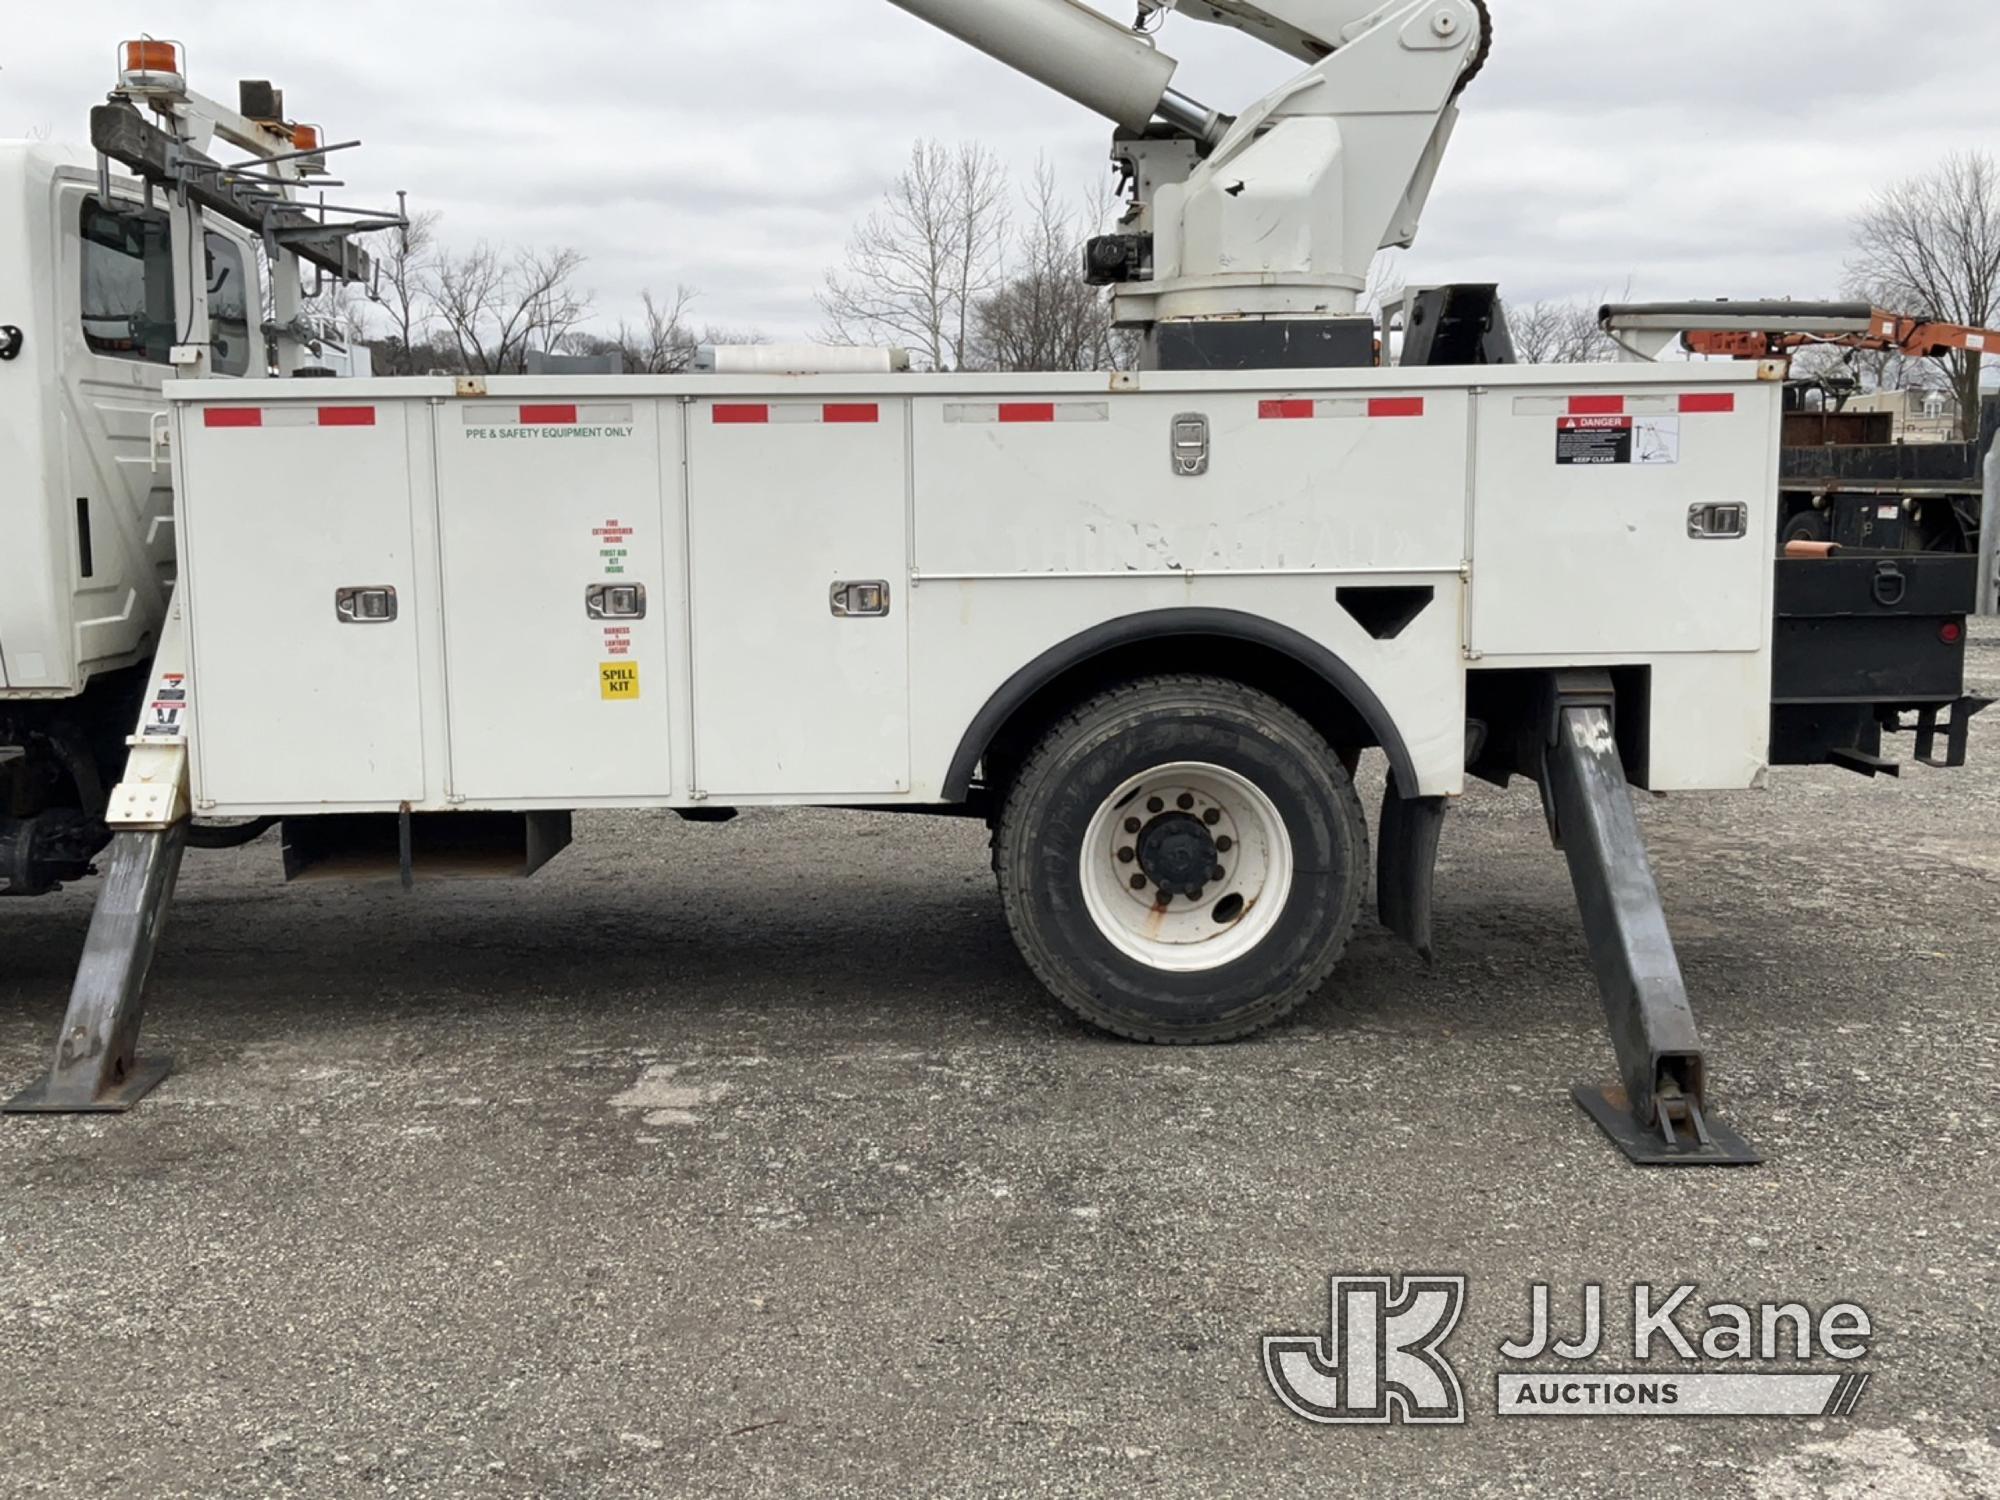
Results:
1686 147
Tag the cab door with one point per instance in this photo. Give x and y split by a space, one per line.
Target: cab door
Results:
123 311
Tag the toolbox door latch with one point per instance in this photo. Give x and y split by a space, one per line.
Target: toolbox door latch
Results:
860 601
365 606
1718 523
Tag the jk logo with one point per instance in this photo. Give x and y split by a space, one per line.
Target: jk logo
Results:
1379 1362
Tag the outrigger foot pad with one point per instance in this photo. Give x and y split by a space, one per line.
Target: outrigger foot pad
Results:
1698 1142
47 1097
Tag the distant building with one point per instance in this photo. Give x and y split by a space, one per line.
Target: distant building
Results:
1921 416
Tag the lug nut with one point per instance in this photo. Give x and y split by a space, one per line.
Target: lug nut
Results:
1126 856
1138 882
1195 894
1185 801
1218 873
1155 805
1212 816
1133 825
1225 843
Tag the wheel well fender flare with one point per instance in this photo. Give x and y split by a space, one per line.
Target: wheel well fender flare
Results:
1165 624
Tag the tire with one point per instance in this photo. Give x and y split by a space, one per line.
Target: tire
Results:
1218 958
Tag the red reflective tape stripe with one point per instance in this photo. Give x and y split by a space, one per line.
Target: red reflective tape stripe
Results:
233 416
854 413
547 416
347 416
1597 406
1272 411
1396 406
1027 411
1710 401
742 415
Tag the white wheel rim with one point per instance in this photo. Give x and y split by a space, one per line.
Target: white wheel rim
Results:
1174 807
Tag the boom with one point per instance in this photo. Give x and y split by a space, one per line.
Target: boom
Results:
1249 236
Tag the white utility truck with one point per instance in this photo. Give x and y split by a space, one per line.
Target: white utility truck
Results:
1147 623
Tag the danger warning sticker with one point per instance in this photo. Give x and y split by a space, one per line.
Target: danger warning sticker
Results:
1592 441
619 681
166 713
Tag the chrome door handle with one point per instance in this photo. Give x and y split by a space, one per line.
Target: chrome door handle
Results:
1718 523
615 601
860 601
365 606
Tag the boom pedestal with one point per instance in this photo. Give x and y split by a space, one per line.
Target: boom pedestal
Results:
96 1069
1657 1112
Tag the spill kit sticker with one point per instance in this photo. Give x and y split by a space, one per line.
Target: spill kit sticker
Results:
166 713
620 681
1591 441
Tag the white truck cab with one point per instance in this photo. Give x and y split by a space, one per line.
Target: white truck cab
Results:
122 267
89 304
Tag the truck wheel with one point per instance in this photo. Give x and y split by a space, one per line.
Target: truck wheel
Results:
1181 860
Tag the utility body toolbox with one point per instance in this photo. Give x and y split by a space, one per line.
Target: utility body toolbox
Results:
607 591
1860 640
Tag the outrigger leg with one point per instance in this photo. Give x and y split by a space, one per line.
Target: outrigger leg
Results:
96 1069
1657 1113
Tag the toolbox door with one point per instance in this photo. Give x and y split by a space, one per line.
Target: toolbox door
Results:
1633 522
303 602
557 614
798 528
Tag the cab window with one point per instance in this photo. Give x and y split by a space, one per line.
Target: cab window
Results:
228 306
128 282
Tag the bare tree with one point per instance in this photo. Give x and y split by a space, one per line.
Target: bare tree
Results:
917 267
665 341
1930 247
553 305
469 291
662 344
402 264
495 311
1044 315
1558 333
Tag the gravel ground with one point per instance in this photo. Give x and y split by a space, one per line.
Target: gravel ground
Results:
749 1159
